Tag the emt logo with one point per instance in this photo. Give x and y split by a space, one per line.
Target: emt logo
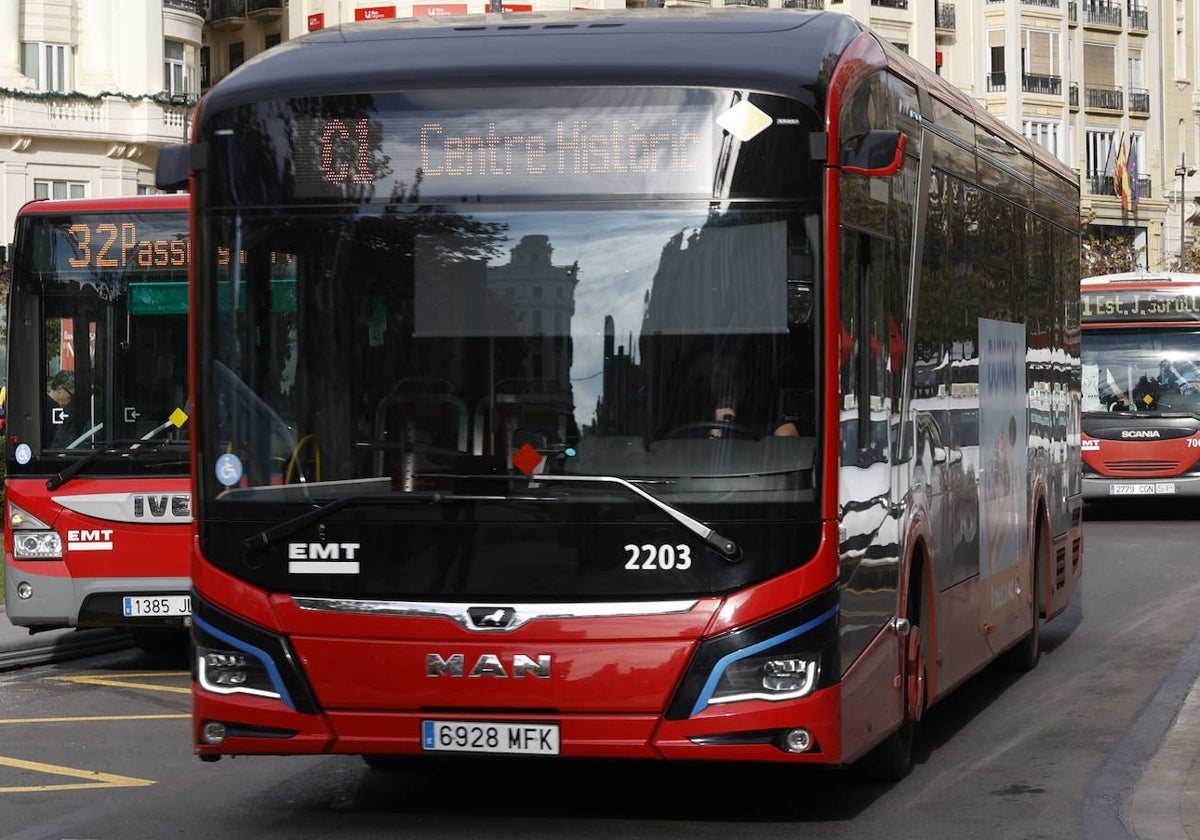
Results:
99 539
323 558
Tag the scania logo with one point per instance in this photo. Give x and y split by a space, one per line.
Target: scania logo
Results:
1141 433
488 665
491 618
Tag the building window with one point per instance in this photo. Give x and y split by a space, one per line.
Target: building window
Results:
49 65
1181 64
1044 133
273 39
59 189
237 55
205 68
177 75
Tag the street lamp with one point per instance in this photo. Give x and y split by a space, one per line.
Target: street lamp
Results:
183 101
1183 171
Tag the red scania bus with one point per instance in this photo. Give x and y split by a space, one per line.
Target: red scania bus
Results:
678 384
97 497
1141 385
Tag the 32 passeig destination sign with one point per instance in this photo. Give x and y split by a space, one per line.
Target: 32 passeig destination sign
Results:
1132 305
478 154
121 243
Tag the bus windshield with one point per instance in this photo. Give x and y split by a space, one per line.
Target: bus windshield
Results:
1144 370
99 310
639 317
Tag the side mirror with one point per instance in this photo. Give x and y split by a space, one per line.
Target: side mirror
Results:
878 153
173 168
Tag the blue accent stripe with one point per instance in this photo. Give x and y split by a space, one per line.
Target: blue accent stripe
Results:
261 655
718 671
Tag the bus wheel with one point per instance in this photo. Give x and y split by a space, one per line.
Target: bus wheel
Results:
1025 654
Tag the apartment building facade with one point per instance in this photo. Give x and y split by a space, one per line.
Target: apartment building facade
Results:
89 92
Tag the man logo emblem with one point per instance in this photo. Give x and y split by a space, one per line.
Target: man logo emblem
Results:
491 618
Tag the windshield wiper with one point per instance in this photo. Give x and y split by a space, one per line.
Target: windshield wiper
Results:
111 448
288 527
724 546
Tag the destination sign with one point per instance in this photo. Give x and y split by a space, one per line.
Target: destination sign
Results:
122 242
1181 304
468 154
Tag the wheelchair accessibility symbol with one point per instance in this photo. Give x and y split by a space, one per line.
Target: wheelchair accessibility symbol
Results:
229 469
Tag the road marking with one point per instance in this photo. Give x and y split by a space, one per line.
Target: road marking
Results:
122 681
94 779
93 719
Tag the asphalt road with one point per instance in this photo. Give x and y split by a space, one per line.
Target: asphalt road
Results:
98 748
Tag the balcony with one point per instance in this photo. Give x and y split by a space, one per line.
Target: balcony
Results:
129 127
1103 98
1103 185
1042 85
194 7
1102 16
943 17
1073 95
996 83
1139 19
226 14
804 4
264 9
1049 4
1139 101
891 4
1073 13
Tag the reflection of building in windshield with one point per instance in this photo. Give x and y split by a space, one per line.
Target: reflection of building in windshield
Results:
533 388
719 296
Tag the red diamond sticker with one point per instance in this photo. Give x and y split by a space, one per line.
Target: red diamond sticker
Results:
527 459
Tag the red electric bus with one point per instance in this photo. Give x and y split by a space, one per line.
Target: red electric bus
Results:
1141 385
98 499
586 421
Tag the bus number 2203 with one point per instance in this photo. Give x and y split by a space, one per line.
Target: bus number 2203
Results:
654 558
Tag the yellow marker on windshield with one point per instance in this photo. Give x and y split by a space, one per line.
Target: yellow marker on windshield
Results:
178 417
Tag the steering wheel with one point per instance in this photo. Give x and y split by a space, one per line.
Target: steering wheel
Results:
705 428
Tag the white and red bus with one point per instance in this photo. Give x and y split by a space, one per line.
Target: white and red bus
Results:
565 401
1141 385
97 497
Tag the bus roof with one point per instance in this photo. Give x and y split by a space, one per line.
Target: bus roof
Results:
791 52
1165 278
128 203
688 47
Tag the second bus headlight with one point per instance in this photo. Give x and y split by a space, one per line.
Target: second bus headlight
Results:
32 538
233 672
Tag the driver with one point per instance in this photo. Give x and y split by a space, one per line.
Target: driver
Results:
1169 377
730 378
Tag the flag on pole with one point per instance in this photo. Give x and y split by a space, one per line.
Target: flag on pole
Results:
1110 167
1131 172
1121 174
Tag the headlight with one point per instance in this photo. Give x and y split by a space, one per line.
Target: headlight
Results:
32 538
771 677
233 672
785 657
